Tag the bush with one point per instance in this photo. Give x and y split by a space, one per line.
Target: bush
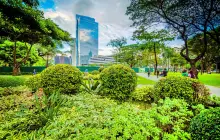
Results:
34 82
145 94
182 88
90 76
14 91
101 69
118 81
95 72
206 125
62 77
11 81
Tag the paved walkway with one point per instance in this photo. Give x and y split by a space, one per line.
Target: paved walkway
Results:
213 90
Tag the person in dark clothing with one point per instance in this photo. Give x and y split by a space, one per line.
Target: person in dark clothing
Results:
148 73
158 72
165 72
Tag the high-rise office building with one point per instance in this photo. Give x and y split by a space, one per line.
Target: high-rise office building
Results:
86 39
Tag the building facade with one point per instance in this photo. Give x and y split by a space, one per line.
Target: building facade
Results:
86 39
101 60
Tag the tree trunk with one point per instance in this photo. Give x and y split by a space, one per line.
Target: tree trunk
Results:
155 57
15 64
193 68
202 68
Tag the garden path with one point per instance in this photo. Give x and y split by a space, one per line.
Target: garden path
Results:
213 90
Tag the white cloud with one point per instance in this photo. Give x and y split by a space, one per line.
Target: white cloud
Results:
84 35
110 14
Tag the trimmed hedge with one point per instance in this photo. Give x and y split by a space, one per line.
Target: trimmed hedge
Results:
11 81
118 81
62 77
182 88
206 125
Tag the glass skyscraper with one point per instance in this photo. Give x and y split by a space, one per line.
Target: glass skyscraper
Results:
86 39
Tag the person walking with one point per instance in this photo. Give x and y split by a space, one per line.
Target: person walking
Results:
165 72
148 73
184 73
34 72
158 72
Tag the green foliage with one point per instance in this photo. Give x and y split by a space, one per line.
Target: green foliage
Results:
95 72
90 76
91 86
87 116
14 90
34 82
10 81
182 88
118 81
145 94
65 78
101 69
30 113
206 125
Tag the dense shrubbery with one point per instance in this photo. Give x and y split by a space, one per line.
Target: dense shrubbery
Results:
11 81
182 88
87 116
34 82
145 94
206 125
62 77
118 81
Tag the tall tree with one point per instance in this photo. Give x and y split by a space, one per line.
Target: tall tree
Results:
213 50
129 55
117 44
22 21
153 41
185 17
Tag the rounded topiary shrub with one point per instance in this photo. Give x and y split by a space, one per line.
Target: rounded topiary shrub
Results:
118 81
62 77
182 88
206 125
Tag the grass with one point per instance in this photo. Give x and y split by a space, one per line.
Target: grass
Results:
207 79
144 81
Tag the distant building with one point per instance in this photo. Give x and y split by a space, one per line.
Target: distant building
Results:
86 39
101 60
63 60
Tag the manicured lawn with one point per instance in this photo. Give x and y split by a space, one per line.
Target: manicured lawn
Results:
144 81
207 79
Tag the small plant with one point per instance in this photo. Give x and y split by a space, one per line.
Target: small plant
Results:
91 86
144 94
95 72
118 81
65 78
101 68
206 125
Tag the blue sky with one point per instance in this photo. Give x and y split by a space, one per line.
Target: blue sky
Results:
110 14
